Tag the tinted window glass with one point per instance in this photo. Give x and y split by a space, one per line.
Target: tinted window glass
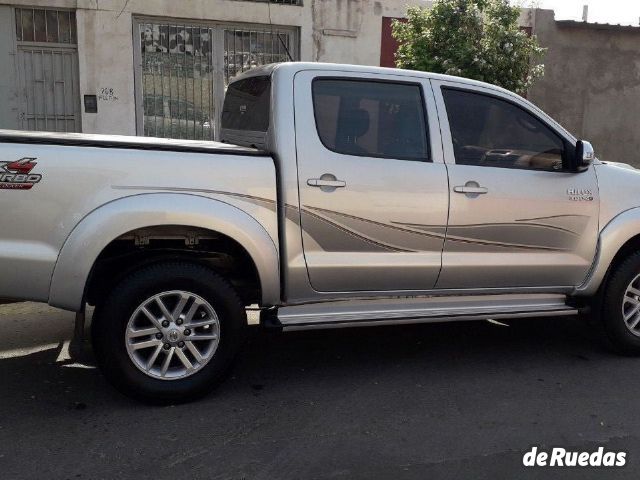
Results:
490 132
246 105
371 118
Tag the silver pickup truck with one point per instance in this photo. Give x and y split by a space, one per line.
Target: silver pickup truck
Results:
339 196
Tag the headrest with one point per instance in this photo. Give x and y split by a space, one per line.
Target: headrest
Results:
355 123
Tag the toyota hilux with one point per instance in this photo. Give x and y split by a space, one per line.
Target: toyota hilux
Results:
338 196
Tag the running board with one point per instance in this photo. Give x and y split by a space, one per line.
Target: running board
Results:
362 312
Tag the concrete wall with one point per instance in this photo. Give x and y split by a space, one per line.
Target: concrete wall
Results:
9 102
110 63
349 31
592 83
330 30
105 45
345 31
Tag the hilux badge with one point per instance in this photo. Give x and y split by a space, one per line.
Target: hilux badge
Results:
580 194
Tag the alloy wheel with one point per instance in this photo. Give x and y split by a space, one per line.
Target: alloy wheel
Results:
631 306
172 335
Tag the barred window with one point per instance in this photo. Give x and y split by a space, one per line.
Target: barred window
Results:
245 48
46 25
186 69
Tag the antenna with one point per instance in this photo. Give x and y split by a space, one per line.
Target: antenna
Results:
285 48
284 45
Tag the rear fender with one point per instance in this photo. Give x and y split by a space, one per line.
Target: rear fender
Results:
103 225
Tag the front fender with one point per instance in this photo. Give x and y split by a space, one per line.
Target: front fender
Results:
612 237
103 225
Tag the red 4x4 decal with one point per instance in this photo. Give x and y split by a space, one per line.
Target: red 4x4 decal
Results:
17 175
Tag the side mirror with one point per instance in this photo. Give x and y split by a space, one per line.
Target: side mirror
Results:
584 156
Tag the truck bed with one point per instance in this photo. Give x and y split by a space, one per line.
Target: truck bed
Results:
121 141
53 184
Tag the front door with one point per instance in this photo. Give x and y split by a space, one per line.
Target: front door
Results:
518 218
373 199
47 61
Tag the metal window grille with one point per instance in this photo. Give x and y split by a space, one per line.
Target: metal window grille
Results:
185 69
248 48
177 81
46 26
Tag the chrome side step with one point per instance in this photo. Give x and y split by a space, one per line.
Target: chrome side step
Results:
395 311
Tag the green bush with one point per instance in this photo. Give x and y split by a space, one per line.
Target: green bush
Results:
478 39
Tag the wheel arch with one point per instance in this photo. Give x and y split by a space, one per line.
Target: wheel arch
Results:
619 238
102 226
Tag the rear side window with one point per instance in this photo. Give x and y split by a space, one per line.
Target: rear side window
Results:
491 132
246 105
373 119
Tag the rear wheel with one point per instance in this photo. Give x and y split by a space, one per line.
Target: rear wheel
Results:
621 307
168 332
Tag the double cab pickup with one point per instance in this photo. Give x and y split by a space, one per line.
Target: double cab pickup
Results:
338 196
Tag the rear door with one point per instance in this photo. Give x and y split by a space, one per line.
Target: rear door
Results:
373 193
518 218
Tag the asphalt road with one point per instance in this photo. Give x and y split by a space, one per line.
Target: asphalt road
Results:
459 400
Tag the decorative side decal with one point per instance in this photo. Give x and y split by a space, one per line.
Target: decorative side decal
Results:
341 232
17 175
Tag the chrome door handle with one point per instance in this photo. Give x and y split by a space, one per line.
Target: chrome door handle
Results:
471 189
320 182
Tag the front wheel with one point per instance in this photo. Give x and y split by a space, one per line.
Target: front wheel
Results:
169 332
621 307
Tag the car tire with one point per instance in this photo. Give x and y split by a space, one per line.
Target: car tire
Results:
157 317
620 309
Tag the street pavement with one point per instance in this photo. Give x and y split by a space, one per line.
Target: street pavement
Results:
458 400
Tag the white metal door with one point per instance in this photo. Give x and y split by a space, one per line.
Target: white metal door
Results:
47 64
50 98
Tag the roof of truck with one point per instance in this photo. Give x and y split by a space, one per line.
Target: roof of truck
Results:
341 67
289 69
121 141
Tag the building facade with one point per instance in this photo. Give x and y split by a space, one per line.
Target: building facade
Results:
160 67
592 83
